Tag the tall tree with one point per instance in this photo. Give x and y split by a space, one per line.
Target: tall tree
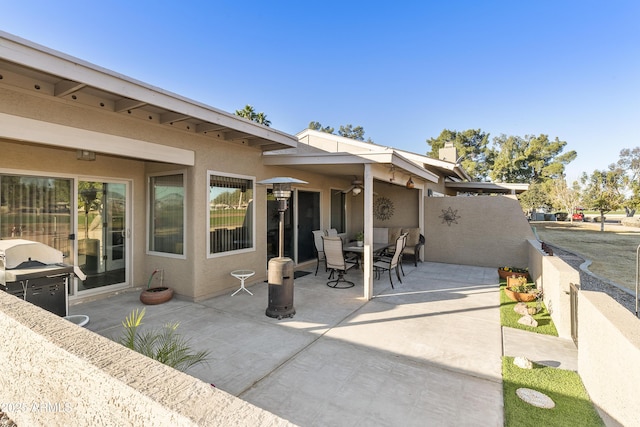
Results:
531 159
248 112
629 163
602 191
564 197
347 131
536 197
262 119
472 147
317 126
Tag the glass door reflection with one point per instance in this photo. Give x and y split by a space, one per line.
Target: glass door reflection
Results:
102 213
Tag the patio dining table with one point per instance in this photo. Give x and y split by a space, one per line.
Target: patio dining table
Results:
376 249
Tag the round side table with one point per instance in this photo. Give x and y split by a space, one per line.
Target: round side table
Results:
242 275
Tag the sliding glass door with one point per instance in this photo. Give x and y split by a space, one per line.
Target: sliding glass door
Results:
102 233
43 209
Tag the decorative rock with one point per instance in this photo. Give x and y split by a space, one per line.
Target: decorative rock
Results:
528 321
535 398
523 362
521 308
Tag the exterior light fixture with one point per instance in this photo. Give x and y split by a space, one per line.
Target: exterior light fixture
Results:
86 155
280 269
410 183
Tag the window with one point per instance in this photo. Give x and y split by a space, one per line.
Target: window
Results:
166 214
36 208
231 213
338 211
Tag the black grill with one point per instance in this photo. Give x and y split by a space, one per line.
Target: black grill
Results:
34 272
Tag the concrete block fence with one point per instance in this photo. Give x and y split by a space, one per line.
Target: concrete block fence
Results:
608 338
55 373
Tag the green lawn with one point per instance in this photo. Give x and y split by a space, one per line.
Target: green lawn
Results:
565 388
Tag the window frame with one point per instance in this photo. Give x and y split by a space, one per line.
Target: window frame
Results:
343 198
213 173
182 172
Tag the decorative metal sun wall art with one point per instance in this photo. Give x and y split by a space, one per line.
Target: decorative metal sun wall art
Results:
450 216
382 208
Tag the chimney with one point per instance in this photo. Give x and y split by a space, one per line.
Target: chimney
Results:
448 153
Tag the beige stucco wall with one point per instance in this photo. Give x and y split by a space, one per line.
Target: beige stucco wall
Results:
489 231
55 373
181 274
557 276
405 207
608 355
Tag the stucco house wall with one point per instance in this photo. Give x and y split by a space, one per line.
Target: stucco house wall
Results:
405 207
488 231
193 277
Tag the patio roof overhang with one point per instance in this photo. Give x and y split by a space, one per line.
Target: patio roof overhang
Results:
487 187
347 164
450 170
30 67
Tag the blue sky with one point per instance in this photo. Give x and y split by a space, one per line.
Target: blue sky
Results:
403 70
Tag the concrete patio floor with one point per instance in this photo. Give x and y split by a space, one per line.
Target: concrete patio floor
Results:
425 353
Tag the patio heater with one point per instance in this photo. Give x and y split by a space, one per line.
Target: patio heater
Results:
280 269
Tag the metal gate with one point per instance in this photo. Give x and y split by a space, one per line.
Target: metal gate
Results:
573 295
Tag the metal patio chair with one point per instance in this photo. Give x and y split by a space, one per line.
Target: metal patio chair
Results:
389 263
336 262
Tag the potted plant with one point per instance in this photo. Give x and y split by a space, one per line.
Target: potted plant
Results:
360 238
156 295
504 272
518 289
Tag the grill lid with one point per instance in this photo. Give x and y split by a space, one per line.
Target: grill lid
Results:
18 253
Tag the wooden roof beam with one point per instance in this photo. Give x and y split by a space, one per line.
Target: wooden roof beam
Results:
171 117
67 87
126 104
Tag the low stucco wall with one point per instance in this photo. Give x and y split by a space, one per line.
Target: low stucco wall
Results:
608 338
488 231
608 355
55 373
554 277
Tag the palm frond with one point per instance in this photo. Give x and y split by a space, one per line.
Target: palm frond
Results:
164 345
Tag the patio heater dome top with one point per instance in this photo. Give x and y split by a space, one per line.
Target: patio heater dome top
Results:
282 180
282 185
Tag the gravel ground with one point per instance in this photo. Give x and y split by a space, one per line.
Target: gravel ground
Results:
591 282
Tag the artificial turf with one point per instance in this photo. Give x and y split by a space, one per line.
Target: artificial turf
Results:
508 317
565 388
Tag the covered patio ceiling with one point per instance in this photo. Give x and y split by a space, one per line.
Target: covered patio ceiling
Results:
34 68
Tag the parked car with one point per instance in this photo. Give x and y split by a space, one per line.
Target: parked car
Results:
561 216
578 215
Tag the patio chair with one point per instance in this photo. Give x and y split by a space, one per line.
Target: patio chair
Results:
319 249
415 242
389 264
388 253
332 232
336 261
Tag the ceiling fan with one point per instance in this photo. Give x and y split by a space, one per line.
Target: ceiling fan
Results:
356 187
